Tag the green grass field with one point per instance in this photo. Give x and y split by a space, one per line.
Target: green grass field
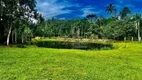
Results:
33 63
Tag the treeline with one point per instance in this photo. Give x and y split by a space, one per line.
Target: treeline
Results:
20 22
118 27
17 20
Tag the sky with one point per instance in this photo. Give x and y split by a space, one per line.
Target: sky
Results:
71 9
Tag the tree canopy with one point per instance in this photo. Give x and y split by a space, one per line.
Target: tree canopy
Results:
20 22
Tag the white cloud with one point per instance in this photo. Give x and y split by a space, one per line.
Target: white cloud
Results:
122 1
89 10
52 8
62 18
130 6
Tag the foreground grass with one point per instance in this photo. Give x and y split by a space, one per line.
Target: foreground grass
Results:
123 63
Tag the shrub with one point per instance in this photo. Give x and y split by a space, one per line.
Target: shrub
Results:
21 46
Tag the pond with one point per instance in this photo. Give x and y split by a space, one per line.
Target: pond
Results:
73 45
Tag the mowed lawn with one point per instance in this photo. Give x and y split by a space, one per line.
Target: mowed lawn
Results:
33 63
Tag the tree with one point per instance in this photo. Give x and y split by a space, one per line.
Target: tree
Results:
124 12
137 18
13 12
91 17
111 9
11 8
118 29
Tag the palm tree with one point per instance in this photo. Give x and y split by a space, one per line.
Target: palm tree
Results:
91 17
111 9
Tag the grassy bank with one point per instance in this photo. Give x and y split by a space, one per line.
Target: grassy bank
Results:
33 63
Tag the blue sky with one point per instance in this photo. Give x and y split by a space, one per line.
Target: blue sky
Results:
70 9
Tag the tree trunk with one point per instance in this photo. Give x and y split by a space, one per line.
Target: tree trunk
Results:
78 33
12 37
125 39
91 20
22 37
132 38
115 14
139 36
15 36
9 33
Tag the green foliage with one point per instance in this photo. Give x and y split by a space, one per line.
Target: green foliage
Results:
55 27
94 36
17 26
21 46
15 19
125 11
118 29
81 28
91 17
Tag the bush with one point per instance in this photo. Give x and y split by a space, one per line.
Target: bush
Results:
94 36
21 46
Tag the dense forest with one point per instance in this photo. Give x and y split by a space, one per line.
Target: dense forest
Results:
20 22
